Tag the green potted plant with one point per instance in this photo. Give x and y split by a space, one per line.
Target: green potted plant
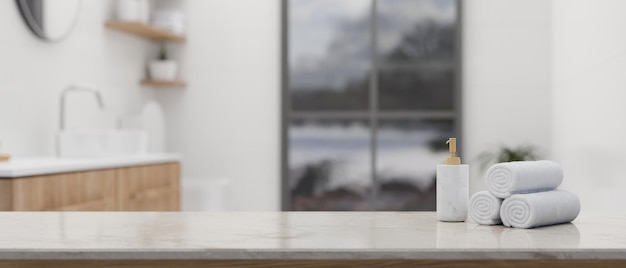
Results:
507 154
163 69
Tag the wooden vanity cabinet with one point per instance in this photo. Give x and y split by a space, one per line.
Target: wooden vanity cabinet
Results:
140 188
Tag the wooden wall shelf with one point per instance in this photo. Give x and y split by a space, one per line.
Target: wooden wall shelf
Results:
145 31
157 83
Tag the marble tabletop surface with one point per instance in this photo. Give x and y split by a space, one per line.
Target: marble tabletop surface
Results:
298 235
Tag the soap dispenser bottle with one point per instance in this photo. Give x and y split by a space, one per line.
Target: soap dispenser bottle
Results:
452 187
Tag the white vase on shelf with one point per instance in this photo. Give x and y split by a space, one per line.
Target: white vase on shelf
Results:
163 70
133 10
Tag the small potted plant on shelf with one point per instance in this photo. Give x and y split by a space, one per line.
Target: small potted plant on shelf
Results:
507 154
163 69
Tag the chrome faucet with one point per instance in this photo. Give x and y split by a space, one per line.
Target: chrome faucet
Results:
85 88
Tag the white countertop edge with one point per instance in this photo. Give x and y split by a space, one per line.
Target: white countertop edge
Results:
217 254
65 165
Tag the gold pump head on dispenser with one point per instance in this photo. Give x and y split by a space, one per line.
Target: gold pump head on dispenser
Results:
453 159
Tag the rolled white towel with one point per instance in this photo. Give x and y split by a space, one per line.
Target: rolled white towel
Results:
539 209
505 179
484 208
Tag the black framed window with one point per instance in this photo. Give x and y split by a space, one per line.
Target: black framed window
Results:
370 94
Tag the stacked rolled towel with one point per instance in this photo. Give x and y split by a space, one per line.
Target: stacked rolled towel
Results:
485 208
539 209
522 195
506 179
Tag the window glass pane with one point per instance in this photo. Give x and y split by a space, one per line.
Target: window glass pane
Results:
329 165
401 89
408 153
410 30
328 69
329 54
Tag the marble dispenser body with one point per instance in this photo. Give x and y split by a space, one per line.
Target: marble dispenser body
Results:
452 192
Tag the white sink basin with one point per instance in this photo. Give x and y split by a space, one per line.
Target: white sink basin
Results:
100 143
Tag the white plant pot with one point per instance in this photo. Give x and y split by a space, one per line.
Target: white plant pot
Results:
163 70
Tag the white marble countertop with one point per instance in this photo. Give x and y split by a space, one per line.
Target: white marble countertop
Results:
32 166
297 235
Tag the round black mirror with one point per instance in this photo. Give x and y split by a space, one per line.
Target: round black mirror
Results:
50 20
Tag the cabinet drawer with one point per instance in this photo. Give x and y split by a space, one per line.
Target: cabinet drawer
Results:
87 191
38 193
149 188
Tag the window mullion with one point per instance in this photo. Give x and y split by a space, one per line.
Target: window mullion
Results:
374 104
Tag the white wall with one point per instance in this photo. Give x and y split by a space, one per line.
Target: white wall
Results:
226 123
33 73
589 134
506 77
550 73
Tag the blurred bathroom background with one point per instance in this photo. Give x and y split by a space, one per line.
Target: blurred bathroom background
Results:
336 104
